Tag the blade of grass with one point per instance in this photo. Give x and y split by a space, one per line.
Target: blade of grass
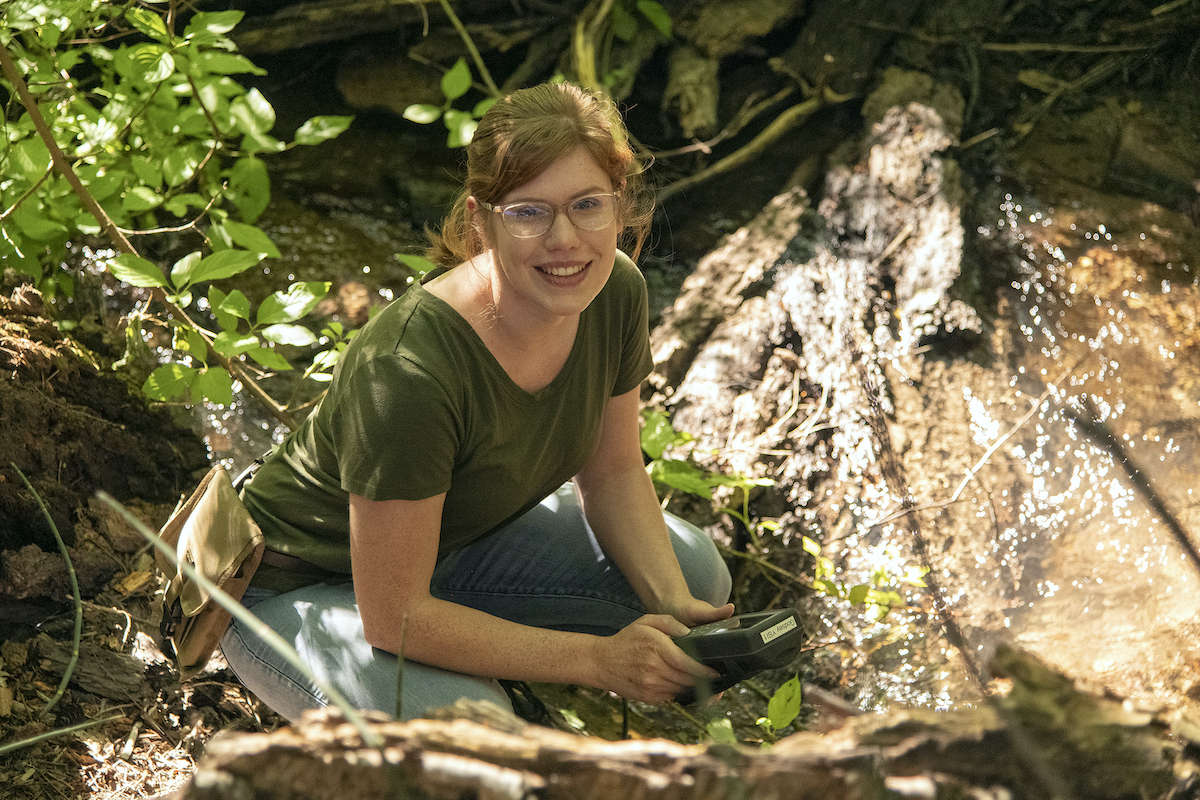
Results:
62 548
243 615
41 737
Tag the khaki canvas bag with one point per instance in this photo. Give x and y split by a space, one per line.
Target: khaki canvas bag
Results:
213 532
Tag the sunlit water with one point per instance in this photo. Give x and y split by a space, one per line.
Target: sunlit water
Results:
1050 545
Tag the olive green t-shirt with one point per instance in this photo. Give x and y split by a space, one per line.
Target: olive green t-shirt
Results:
419 406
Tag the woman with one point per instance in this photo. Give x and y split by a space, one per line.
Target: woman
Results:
422 507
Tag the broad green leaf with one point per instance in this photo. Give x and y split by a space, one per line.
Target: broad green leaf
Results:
102 183
422 113
182 269
721 731
658 16
226 321
232 309
31 159
250 237
483 106
858 594
284 333
299 299
269 358
188 340
136 271
259 142
215 384
87 224
148 23
320 129
232 344
140 198
181 163
153 62
457 80
784 705
180 203
682 475
219 22
417 264
252 113
828 587
251 187
168 382
461 126
34 223
147 170
226 63
657 434
224 264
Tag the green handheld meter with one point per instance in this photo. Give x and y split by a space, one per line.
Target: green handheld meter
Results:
743 646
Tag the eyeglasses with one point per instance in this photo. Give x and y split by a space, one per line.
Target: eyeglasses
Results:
527 219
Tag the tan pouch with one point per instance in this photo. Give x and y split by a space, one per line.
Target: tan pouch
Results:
213 532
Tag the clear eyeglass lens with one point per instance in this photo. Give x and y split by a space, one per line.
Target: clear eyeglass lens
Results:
591 213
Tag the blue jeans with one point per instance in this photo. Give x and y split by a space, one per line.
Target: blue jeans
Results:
545 570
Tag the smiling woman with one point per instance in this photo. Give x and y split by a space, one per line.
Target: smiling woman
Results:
471 493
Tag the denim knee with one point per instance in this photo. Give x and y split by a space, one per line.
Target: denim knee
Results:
703 567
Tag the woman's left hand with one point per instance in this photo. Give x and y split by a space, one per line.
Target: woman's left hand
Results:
693 612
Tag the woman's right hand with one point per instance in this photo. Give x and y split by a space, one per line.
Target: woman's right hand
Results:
641 662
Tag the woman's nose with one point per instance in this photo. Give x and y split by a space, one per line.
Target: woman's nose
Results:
562 231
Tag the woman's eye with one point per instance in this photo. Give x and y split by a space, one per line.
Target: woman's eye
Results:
526 212
587 204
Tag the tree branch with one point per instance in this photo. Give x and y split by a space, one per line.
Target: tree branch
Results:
118 238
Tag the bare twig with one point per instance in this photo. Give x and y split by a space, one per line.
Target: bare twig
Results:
1019 424
471 48
789 119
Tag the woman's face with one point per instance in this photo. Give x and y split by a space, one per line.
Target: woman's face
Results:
560 272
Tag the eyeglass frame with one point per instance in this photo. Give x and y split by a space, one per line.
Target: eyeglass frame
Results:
564 207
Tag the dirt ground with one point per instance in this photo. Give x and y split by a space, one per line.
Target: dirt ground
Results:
71 426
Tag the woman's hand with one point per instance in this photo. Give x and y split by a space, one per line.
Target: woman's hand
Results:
642 663
692 612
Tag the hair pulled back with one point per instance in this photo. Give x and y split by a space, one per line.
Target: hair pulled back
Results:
523 134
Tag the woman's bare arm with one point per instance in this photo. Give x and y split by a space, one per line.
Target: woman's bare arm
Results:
393 547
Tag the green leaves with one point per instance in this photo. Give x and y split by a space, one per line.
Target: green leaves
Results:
784 705
162 136
136 271
460 124
321 129
297 301
657 15
457 80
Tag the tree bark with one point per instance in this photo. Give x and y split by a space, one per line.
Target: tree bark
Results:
1044 737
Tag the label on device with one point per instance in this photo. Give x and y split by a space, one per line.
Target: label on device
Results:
775 631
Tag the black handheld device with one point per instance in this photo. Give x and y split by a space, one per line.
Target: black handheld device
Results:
743 646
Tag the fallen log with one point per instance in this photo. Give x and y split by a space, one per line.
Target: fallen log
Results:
1090 745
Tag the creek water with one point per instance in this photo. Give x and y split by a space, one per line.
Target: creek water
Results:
1049 544
1057 468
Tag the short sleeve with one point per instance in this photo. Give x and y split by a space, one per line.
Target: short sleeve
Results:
636 360
395 431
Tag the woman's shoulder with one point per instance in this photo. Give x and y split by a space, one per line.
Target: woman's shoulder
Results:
626 278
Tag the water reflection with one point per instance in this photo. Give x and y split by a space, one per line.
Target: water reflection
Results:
1059 551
